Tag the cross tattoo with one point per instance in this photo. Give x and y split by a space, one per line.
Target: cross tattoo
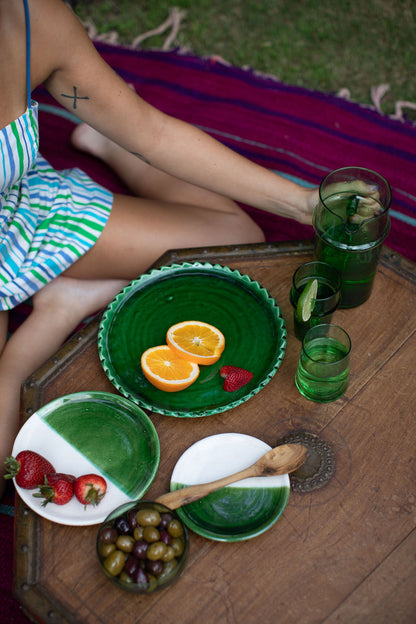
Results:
75 97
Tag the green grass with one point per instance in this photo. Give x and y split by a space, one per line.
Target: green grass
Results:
325 45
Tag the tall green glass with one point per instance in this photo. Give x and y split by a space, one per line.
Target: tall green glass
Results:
351 222
324 363
327 299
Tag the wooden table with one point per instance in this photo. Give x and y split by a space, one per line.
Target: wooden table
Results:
343 552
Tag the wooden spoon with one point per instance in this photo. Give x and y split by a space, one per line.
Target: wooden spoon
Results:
279 460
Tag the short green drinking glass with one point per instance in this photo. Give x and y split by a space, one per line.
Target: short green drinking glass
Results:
327 299
324 363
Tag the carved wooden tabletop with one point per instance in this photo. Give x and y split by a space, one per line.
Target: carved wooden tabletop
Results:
344 549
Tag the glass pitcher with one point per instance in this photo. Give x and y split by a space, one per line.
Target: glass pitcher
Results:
351 222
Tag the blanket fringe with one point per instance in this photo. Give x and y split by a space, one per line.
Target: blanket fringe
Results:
173 22
172 26
377 93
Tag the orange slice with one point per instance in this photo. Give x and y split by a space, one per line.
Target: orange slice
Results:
165 370
196 341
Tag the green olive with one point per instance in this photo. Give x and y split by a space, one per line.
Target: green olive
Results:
175 528
138 533
125 578
153 583
169 554
156 551
114 563
125 543
148 517
151 534
168 568
105 549
178 546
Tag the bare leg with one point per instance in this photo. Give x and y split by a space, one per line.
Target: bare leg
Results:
164 213
4 320
39 337
144 180
147 182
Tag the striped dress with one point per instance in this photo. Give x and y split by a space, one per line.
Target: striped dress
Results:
48 219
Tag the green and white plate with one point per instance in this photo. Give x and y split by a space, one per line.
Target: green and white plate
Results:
139 317
239 511
92 432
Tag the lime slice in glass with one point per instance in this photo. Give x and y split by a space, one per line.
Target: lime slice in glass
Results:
307 299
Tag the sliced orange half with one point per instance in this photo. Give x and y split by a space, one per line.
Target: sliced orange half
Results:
196 341
165 370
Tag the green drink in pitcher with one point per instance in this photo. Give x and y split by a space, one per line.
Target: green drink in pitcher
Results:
351 222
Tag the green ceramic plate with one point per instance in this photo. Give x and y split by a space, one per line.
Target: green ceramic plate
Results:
139 317
92 432
237 512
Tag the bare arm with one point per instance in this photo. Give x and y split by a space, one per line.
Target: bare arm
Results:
82 82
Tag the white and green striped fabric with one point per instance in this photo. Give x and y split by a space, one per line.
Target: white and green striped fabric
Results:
48 219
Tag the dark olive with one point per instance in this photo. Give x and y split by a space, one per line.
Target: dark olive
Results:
165 537
131 565
165 518
114 562
131 518
140 549
108 535
122 526
175 528
156 551
154 567
140 577
148 517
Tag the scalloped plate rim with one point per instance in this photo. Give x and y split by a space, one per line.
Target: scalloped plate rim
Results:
152 275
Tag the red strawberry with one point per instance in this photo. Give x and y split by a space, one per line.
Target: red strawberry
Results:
235 377
28 468
58 488
90 488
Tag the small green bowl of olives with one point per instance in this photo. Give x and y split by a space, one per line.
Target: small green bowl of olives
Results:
142 546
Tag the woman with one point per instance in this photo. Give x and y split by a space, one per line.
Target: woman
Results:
65 241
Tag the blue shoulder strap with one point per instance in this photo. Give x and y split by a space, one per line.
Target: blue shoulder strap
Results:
28 83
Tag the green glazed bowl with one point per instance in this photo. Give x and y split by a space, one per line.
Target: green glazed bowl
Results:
237 512
141 572
139 317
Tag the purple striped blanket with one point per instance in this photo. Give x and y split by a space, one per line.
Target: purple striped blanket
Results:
299 133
